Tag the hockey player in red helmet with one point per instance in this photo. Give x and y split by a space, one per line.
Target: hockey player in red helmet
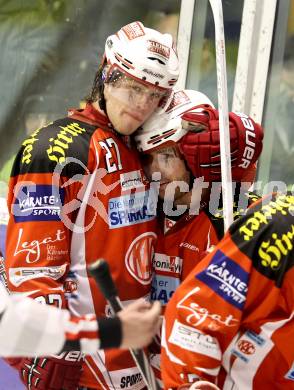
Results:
69 201
180 148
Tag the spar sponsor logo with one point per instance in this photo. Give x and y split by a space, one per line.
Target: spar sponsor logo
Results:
131 180
17 276
162 262
130 209
194 340
32 249
226 278
139 255
163 288
38 203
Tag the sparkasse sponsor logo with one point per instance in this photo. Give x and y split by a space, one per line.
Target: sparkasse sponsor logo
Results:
129 210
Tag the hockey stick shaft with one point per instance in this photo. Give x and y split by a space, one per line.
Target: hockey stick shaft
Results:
100 272
222 92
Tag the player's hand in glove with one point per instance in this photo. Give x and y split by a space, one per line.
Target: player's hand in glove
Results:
201 145
52 373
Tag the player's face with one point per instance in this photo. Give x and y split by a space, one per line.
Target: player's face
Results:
129 103
169 163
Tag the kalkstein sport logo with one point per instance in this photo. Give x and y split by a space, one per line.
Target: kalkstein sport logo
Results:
38 203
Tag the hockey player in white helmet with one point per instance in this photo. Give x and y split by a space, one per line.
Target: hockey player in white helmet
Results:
78 208
138 70
180 150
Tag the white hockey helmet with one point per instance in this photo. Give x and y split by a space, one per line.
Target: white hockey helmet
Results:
165 126
144 54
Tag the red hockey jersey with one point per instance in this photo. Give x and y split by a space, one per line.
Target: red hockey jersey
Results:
77 193
232 319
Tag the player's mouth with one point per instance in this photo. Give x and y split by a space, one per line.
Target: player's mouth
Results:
134 116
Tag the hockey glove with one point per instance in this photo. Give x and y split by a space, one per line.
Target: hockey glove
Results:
201 145
52 373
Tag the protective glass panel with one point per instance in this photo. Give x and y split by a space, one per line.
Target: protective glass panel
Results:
202 65
278 151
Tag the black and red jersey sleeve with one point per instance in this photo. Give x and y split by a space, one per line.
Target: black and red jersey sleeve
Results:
47 175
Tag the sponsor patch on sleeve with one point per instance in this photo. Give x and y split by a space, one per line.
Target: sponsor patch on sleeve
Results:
194 340
226 278
38 203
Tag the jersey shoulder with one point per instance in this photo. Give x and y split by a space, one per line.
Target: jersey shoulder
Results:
241 202
52 145
266 235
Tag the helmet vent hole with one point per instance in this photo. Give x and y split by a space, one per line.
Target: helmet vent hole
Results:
130 62
126 66
156 59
